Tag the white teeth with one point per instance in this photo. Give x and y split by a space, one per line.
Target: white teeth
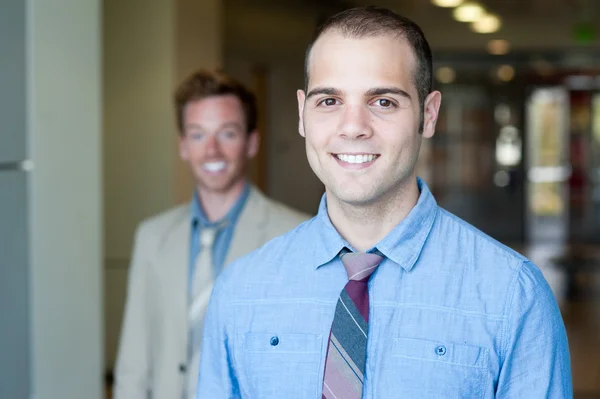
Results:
214 166
355 158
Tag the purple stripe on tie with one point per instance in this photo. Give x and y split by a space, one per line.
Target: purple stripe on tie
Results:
356 292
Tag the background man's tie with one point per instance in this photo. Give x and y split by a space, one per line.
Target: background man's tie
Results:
201 288
347 350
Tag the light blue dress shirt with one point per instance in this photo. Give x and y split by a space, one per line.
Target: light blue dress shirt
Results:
453 314
223 238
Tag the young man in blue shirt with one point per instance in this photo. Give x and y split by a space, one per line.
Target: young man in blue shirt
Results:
383 294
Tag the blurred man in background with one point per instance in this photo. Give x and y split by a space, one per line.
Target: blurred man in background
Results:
383 294
179 253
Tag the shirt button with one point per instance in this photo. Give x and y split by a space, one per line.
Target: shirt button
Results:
440 350
182 368
274 341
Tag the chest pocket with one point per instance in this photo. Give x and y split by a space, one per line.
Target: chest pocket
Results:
282 365
430 369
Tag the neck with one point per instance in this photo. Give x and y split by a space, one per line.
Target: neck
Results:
363 226
216 204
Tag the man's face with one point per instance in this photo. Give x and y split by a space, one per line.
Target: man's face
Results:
215 142
360 116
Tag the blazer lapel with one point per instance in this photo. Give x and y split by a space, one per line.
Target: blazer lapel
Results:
250 230
174 265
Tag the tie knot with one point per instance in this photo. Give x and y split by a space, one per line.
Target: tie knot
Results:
207 236
360 265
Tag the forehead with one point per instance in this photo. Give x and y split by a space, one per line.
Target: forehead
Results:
336 59
227 105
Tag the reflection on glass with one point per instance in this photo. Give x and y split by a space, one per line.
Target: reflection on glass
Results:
502 114
501 178
546 199
596 120
508 146
547 167
596 161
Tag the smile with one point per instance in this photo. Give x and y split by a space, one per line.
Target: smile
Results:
214 166
356 159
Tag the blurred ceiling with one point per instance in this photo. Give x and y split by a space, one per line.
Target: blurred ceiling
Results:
275 28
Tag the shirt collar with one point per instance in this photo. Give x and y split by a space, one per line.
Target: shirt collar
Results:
402 245
199 216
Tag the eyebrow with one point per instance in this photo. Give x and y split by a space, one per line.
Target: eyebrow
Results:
330 91
377 91
225 125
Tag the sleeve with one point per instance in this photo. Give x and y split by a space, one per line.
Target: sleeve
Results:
132 373
536 361
216 378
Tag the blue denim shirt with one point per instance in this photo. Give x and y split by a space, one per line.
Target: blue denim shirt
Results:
453 314
223 238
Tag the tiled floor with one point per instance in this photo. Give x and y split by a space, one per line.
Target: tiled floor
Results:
576 285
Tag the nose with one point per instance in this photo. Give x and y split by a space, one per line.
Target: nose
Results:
356 123
211 146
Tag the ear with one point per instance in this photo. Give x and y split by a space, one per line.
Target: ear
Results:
431 112
253 144
301 99
184 153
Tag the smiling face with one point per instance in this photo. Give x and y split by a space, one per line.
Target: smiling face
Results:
215 142
360 117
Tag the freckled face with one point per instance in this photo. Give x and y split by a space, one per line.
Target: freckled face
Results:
215 142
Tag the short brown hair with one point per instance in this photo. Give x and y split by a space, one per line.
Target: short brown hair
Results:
202 84
374 21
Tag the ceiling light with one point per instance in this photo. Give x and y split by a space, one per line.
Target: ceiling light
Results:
488 23
505 73
468 12
447 3
498 47
445 75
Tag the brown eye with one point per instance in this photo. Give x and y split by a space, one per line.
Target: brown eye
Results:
329 102
385 103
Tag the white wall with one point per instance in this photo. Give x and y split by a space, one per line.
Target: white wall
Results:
65 198
139 144
148 48
139 135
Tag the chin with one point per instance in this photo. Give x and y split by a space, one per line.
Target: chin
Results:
214 186
220 184
354 197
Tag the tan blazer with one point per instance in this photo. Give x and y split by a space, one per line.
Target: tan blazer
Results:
153 345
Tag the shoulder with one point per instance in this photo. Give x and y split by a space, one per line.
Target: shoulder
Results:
279 215
470 242
276 257
501 267
481 266
282 212
158 225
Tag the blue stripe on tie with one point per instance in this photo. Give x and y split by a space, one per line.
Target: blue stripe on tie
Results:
345 360
348 334
364 326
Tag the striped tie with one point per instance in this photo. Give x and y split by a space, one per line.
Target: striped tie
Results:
347 350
